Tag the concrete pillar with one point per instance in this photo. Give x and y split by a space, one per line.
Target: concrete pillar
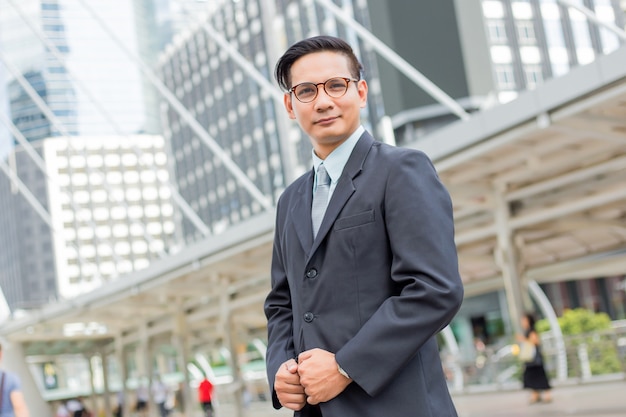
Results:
14 360
93 404
120 356
145 359
507 259
228 331
106 395
180 339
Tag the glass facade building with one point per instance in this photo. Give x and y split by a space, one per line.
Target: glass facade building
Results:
70 54
483 52
244 119
111 207
533 40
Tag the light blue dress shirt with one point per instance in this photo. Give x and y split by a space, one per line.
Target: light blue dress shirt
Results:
336 161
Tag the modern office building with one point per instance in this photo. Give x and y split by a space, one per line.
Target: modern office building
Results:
247 121
112 202
27 261
74 60
110 208
482 52
25 115
92 85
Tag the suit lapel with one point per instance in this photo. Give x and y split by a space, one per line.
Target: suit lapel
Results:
301 213
345 188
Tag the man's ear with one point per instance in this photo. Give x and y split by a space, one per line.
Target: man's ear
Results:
289 105
362 89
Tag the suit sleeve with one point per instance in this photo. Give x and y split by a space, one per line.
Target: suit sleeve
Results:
418 217
278 312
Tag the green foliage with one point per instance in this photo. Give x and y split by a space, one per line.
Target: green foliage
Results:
578 321
542 326
584 327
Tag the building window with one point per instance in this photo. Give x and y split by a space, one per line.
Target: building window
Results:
497 31
493 9
530 55
505 77
501 54
522 10
533 75
526 32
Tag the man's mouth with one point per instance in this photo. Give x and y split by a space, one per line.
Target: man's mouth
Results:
325 120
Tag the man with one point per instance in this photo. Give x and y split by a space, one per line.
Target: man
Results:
354 307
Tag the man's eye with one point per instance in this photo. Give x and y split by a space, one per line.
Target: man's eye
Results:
337 85
306 90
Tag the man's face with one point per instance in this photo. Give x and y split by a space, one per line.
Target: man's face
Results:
328 121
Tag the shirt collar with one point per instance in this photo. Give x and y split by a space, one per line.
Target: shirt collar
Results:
336 161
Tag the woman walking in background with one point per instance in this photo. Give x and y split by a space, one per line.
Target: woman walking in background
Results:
535 377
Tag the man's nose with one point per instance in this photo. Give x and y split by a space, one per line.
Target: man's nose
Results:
323 99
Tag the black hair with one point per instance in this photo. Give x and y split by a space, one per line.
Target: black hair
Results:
531 320
321 43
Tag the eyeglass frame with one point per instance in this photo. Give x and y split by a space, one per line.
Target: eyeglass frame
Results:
317 89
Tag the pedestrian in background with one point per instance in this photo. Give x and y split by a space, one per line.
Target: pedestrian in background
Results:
12 403
160 395
141 404
535 378
205 396
364 267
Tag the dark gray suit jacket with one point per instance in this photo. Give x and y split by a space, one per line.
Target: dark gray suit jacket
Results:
375 286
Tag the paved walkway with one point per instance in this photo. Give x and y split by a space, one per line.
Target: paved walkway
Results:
601 399
606 399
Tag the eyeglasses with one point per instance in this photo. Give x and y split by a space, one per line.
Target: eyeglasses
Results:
335 87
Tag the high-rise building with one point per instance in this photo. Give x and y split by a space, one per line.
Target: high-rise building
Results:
26 116
73 54
93 72
245 120
482 52
110 208
27 261
110 202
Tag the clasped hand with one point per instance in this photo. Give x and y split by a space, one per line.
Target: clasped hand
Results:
314 379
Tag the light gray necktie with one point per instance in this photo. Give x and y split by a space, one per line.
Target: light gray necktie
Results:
320 198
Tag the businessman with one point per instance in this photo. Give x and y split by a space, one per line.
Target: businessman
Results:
364 266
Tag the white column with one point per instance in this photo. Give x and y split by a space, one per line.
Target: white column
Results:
145 358
106 395
120 355
228 332
181 341
93 406
507 258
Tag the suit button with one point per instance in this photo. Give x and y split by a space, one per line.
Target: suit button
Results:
309 317
311 273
